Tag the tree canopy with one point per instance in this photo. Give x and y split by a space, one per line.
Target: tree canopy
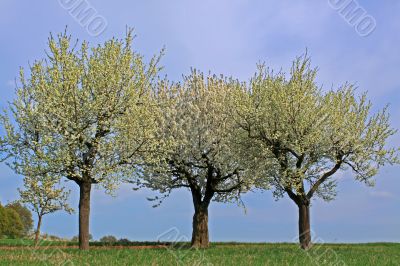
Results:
44 195
24 214
11 225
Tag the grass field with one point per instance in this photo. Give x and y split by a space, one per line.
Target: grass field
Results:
17 252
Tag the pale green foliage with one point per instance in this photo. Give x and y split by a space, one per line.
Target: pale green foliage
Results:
301 135
25 215
44 195
198 139
83 113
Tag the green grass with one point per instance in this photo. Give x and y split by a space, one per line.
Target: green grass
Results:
218 254
46 243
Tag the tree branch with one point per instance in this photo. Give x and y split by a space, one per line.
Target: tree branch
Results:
323 178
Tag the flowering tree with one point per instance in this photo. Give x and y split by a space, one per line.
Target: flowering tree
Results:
43 196
84 114
198 133
304 136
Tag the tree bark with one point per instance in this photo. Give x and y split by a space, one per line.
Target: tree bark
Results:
84 213
304 226
200 227
37 233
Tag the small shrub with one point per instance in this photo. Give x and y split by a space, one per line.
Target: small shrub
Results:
108 239
124 241
76 238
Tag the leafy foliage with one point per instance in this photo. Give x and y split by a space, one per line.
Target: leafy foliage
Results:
108 239
24 214
11 225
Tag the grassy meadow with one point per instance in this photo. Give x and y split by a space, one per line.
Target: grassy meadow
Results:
17 252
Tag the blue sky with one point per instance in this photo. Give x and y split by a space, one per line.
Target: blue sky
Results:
230 37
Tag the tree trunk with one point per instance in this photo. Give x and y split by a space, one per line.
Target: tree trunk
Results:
37 233
84 213
304 226
200 227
